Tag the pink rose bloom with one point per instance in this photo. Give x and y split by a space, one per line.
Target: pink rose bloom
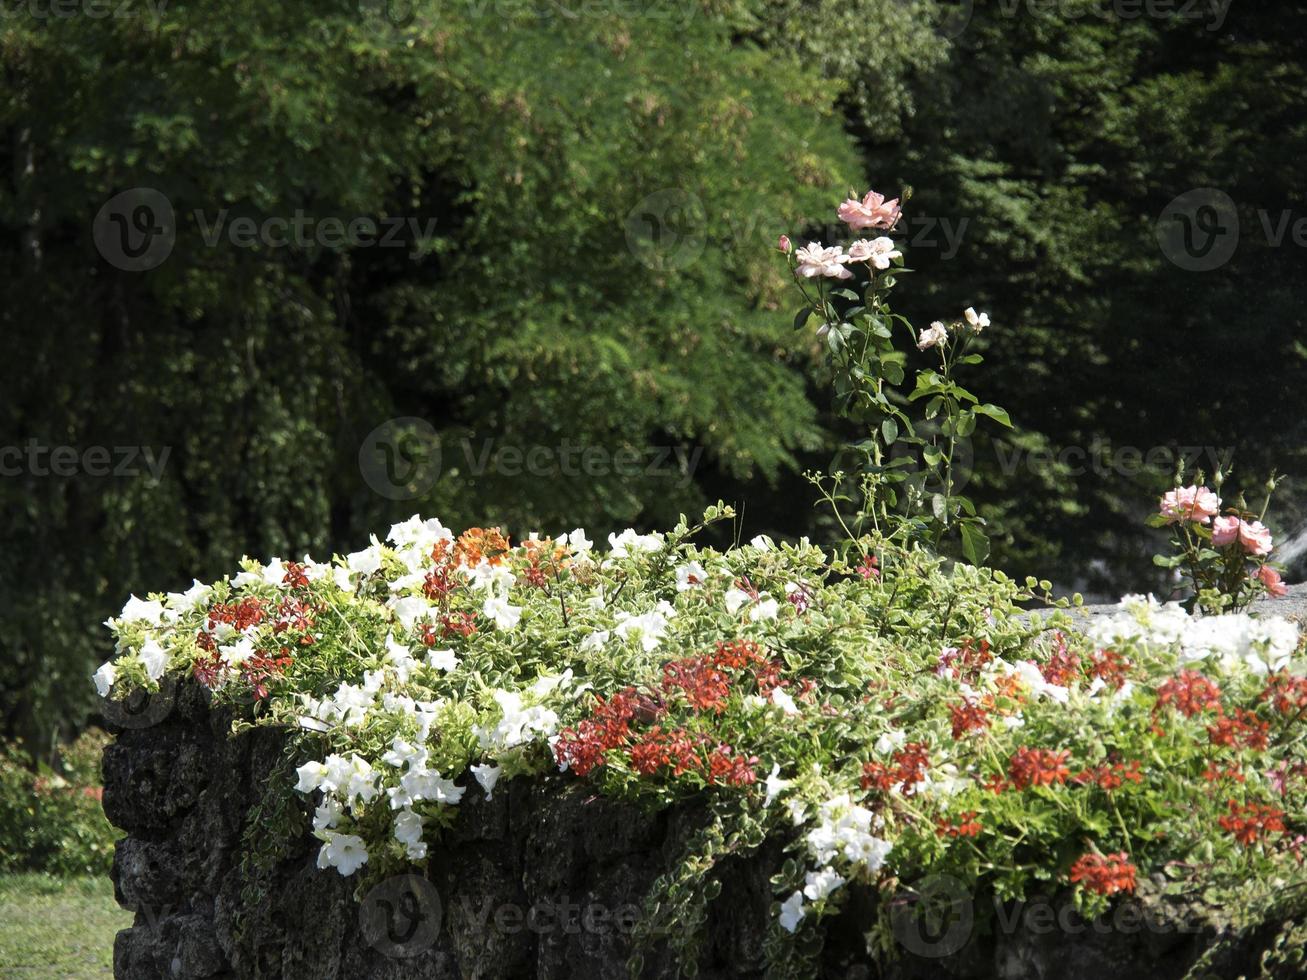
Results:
1270 578
784 244
1225 530
877 251
937 333
873 211
817 261
1190 504
1255 537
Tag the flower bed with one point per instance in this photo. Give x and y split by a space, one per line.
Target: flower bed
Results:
823 738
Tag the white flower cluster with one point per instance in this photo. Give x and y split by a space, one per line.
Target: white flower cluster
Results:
1259 644
842 831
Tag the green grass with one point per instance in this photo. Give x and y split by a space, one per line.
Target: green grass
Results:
58 927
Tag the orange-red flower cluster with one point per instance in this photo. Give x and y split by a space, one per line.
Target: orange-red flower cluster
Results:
1190 692
966 825
1038 767
1249 821
968 717
907 768
1110 776
1110 667
1286 692
966 662
1245 729
1104 874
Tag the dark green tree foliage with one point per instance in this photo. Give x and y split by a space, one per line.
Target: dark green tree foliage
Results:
547 308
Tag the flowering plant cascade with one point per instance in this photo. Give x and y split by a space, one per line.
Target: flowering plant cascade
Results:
885 721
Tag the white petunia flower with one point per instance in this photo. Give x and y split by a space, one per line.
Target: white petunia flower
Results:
311 776
487 775
689 576
577 541
630 543
344 852
442 660
735 598
775 785
104 678
326 815
146 611
367 561
408 831
409 609
784 701
504 615
155 659
417 534
792 912
820 884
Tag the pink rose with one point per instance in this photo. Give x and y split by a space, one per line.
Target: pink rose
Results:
1225 530
1270 578
873 211
1190 504
784 244
814 260
877 251
1255 538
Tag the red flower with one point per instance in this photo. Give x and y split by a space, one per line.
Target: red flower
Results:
734 770
1213 773
966 826
1038 767
1110 667
1248 821
1104 874
1064 666
460 623
737 654
1244 729
909 768
705 687
1111 776
968 717
1286 692
868 569
966 662
1190 692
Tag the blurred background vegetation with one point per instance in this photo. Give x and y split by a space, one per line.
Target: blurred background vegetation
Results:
603 183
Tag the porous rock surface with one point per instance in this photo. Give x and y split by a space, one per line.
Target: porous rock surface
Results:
543 881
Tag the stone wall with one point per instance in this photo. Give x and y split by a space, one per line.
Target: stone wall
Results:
182 787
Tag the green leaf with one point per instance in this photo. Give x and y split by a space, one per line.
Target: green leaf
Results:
890 430
801 317
975 544
994 412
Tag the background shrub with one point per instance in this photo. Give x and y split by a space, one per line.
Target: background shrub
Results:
50 816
